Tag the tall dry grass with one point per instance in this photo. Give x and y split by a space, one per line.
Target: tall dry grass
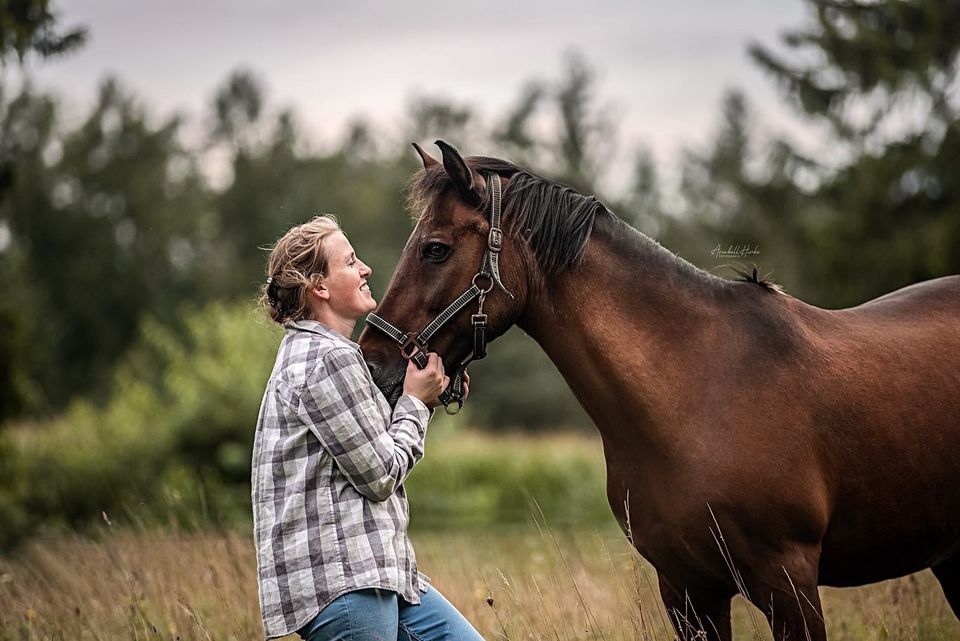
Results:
513 584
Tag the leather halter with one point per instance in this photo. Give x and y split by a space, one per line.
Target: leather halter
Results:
416 346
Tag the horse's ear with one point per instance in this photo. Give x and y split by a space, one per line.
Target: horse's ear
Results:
428 160
467 181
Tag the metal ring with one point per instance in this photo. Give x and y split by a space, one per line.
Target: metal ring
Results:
446 408
488 289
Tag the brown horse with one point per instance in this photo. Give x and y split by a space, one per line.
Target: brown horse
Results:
754 443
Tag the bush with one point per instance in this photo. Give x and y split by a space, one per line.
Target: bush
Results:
173 444
477 480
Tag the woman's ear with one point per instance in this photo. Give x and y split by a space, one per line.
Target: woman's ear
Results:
319 289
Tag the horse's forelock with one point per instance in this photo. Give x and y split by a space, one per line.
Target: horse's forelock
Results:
428 184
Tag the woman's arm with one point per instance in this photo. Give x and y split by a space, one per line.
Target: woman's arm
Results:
338 402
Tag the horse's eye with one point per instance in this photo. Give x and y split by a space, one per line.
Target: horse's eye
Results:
436 252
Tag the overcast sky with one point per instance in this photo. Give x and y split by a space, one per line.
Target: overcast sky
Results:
662 65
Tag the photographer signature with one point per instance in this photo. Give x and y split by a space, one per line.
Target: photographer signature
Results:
735 251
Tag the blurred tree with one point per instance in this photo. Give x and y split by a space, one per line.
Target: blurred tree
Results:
644 198
26 123
860 62
237 107
30 25
737 197
25 26
360 142
883 76
432 117
102 227
878 212
275 187
584 133
514 134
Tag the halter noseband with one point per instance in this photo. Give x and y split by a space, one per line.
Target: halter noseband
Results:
416 346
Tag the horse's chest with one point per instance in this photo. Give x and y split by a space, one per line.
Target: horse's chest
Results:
639 502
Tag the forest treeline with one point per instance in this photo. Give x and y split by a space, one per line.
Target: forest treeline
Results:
116 246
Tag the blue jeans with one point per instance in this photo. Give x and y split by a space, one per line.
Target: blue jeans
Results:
377 615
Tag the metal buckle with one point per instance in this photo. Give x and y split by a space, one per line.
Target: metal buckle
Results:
495 239
410 346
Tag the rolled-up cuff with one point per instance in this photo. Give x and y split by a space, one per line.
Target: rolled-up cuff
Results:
416 408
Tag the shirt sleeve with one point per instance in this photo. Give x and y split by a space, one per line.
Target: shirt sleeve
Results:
374 452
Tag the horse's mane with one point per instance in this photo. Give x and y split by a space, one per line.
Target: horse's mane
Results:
554 218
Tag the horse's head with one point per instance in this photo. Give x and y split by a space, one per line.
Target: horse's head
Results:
444 257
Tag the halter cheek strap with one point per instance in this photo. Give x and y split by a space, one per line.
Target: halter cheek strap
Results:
416 346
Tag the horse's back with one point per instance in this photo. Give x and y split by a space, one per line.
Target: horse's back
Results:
918 324
937 294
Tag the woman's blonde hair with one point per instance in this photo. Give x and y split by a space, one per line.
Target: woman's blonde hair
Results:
294 264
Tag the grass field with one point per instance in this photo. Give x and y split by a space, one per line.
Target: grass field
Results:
544 585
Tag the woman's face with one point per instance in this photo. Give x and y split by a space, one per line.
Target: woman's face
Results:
346 280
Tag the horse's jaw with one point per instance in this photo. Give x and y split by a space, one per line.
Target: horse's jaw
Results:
390 386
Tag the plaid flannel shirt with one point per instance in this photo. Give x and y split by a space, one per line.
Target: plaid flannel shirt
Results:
329 460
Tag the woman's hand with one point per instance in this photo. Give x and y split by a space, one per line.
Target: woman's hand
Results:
427 383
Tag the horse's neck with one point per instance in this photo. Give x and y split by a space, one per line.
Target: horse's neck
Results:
613 324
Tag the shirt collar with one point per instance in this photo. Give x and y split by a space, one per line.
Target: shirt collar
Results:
316 327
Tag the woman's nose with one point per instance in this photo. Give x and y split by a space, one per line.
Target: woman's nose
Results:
365 269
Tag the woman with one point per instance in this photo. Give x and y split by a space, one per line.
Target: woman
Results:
330 458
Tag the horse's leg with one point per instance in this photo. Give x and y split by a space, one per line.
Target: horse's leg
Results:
694 614
948 573
785 590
